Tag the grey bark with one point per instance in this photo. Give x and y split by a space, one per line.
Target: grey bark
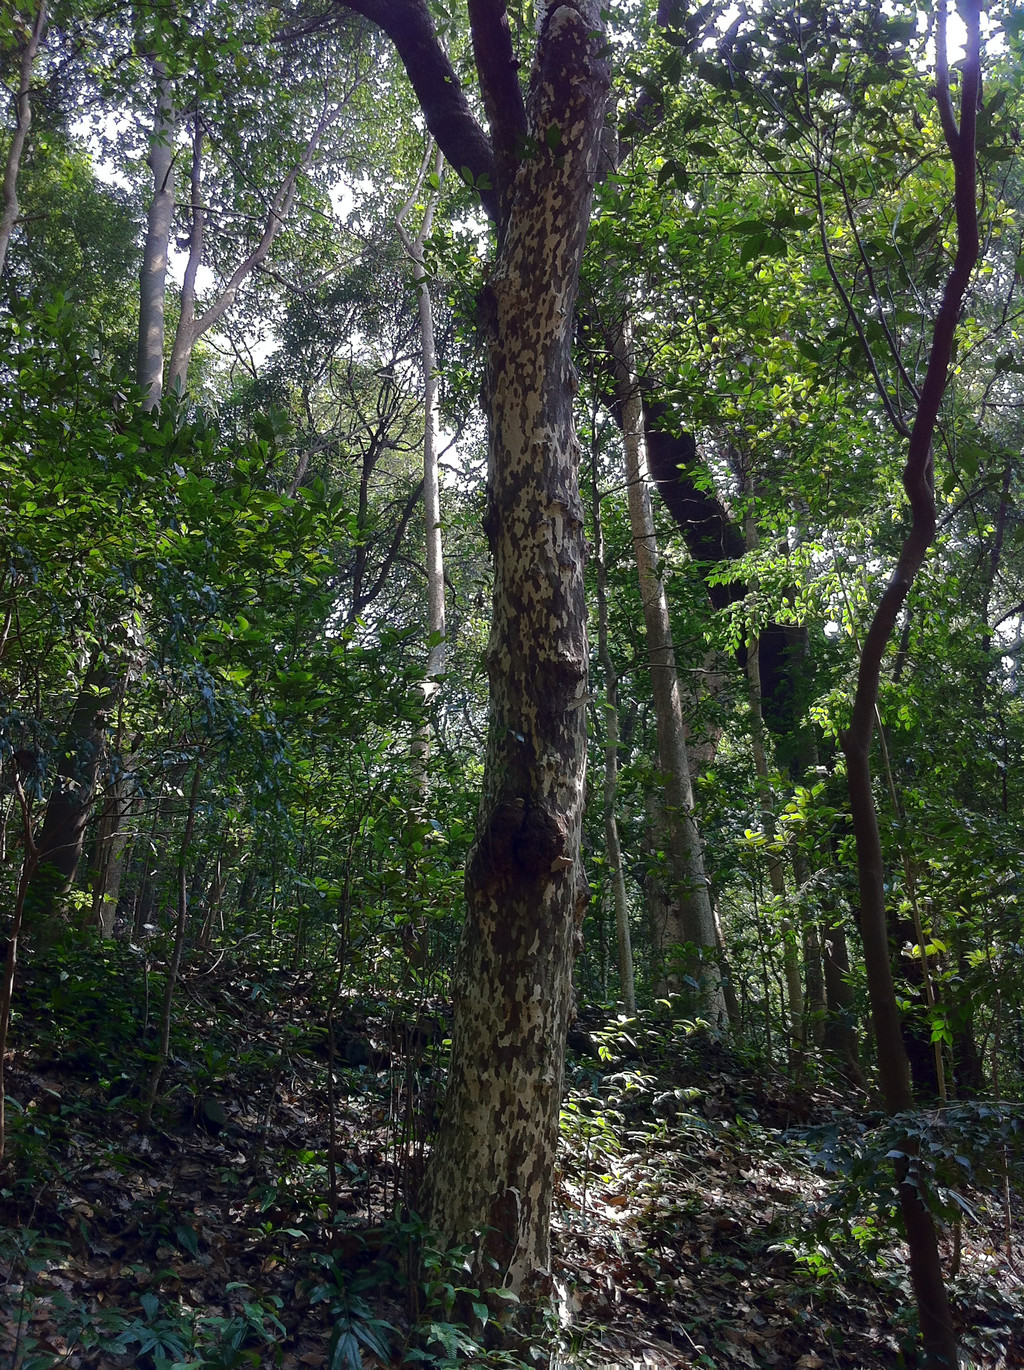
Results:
112 837
153 279
431 484
616 875
692 921
23 122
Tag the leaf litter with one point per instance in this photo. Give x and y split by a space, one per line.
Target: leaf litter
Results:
690 1225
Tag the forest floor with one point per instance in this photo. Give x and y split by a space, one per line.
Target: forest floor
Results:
707 1214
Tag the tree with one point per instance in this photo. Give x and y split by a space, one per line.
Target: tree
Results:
689 916
919 482
490 1169
30 41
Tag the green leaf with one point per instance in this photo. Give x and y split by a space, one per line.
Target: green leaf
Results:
344 1351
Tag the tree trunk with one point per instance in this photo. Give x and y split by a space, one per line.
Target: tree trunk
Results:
28 864
776 877
839 1036
59 844
431 484
23 116
111 849
153 280
611 769
814 980
696 924
525 885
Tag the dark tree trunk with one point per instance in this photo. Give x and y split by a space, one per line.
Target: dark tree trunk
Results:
60 840
839 1036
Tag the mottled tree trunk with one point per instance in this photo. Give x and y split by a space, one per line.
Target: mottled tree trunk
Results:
492 1165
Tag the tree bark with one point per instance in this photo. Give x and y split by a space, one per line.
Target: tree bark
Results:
526 890
776 876
694 922
613 846
940 1342
153 280
23 115
839 1035
59 843
431 484
112 838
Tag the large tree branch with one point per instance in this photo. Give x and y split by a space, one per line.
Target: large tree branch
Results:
498 70
449 118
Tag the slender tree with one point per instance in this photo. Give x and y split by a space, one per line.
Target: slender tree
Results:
160 217
616 873
9 209
690 919
918 479
414 247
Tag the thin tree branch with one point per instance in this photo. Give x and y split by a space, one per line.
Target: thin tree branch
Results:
894 351
851 313
450 120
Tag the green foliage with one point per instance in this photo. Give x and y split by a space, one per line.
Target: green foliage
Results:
248 562
948 1152
354 1323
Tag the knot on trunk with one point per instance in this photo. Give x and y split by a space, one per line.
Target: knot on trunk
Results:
522 839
